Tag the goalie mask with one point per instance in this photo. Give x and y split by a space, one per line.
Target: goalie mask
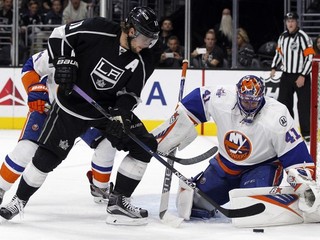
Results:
250 96
144 20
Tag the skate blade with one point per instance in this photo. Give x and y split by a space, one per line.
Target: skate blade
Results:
100 200
123 220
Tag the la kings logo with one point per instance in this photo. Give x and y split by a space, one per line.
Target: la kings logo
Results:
105 75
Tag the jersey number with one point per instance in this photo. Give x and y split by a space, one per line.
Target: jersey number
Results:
292 135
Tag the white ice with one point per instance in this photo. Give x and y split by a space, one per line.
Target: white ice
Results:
63 207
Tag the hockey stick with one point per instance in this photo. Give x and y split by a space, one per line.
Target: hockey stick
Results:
192 160
164 201
231 213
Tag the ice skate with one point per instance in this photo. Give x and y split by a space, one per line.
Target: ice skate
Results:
121 212
2 192
12 209
100 195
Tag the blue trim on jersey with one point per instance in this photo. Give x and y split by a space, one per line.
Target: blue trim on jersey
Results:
193 102
101 169
296 155
13 165
28 66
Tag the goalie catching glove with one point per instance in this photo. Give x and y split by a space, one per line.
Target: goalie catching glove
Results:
65 73
306 188
38 98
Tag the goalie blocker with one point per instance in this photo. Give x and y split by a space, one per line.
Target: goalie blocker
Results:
176 132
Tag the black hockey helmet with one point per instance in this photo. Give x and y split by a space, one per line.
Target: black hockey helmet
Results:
291 15
144 20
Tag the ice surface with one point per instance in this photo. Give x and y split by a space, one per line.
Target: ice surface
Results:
64 209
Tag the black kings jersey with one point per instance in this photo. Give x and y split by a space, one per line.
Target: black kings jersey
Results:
106 71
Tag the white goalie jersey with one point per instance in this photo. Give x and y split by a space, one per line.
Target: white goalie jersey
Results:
271 136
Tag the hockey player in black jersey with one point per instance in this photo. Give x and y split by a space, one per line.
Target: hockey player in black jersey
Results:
111 63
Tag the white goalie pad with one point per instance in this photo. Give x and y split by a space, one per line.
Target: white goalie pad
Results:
184 200
281 206
178 131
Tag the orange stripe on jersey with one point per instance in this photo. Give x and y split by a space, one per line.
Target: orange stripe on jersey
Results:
101 177
8 175
29 78
225 168
266 199
279 50
308 51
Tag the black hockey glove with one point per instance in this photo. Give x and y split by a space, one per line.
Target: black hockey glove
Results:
65 73
121 121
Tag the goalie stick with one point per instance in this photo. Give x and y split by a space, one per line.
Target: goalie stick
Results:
166 186
192 160
230 213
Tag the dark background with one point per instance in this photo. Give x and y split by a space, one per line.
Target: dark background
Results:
262 19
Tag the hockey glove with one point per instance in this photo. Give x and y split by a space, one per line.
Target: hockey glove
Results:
306 188
38 98
65 73
121 121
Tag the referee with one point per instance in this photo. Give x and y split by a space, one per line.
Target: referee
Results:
295 53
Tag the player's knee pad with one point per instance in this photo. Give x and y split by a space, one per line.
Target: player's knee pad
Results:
45 160
21 154
262 176
33 176
15 163
132 168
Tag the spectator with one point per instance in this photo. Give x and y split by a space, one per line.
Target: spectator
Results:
5 33
6 12
316 45
31 17
223 32
75 10
245 49
210 55
54 16
165 33
172 57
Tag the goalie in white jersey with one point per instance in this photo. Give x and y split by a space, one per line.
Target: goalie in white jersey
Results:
257 140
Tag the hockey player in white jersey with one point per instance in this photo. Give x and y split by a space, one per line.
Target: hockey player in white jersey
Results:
257 140
40 96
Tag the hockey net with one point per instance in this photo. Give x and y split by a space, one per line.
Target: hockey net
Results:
315 116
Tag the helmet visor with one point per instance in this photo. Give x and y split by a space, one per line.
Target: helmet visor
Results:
144 41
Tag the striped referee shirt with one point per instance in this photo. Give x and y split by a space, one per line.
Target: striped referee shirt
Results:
295 52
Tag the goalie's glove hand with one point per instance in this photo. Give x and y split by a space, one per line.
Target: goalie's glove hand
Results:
306 188
120 123
65 73
38 98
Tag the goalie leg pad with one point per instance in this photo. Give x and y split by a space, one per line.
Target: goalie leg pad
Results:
178 131
184 200
281 206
